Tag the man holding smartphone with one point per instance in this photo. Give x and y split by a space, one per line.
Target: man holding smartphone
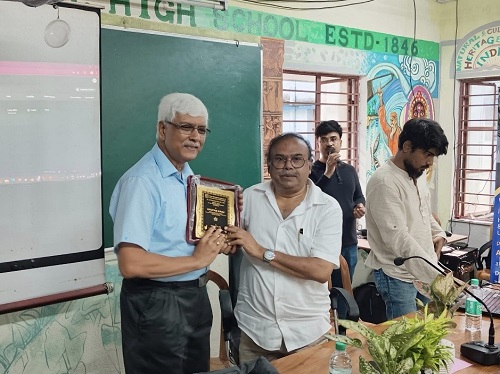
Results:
339 180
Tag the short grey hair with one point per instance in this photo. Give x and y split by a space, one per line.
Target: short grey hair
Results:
182 103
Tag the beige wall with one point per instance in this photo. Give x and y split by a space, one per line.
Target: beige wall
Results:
472 14
386 16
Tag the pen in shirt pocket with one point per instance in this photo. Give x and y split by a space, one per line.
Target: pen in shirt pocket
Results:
301 232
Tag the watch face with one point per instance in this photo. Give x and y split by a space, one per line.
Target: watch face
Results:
268 256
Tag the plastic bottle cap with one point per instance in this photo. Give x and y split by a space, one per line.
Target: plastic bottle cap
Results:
339 346
474 282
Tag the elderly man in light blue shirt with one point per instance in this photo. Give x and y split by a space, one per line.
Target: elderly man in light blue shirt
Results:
165 311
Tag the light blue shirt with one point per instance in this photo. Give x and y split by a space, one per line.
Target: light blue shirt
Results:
149 208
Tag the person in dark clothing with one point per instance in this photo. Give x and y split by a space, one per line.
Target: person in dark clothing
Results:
339 180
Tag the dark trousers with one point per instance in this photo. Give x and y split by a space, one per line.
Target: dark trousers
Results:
165 327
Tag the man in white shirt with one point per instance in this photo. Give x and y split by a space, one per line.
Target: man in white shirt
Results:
291 237
399 218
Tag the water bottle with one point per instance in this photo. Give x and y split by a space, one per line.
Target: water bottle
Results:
340 362
473 308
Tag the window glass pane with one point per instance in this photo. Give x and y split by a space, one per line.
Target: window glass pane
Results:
476 150
478 162
305 104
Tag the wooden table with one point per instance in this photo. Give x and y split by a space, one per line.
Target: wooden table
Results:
363 243
315 359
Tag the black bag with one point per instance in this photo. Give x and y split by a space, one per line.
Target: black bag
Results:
370 303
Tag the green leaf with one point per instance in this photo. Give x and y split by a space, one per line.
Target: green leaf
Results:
404 366
395 328
425 290
366 368
408 340
358 327
345 339
381 351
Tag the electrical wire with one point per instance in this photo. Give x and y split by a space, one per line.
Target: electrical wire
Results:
271 4
453 111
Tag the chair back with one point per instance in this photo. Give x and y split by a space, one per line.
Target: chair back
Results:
234 274
345 275
227 301
342 299
484 256
483 262
223 287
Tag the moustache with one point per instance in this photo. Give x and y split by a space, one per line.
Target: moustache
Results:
330 150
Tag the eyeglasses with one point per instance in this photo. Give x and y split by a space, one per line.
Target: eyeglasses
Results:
187 128
279 162
325 140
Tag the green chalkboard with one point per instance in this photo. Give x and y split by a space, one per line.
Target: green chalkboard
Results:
138 69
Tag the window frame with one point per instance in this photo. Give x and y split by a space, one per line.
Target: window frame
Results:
465 150
350 126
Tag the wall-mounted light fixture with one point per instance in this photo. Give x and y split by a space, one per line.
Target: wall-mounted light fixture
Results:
57 32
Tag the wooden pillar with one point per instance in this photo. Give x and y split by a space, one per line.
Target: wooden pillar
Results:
272 92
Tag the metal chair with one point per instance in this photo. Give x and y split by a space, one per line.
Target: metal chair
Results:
223 286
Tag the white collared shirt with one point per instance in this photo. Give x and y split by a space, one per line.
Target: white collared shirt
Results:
274 306
400 224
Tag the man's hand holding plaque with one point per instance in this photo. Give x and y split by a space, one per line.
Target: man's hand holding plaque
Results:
211 203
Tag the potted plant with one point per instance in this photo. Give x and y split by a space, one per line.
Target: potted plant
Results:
410 344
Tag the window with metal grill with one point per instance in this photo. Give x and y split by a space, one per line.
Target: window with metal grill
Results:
475 150
309 98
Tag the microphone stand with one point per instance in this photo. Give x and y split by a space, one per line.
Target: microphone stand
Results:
335 316
477 351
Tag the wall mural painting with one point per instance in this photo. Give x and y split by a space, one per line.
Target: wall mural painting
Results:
393 99
78 336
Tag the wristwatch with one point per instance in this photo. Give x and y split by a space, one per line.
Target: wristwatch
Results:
268 256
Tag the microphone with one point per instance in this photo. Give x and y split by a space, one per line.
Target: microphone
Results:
477 351
329 151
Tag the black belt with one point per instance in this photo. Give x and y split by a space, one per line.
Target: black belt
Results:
141 282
